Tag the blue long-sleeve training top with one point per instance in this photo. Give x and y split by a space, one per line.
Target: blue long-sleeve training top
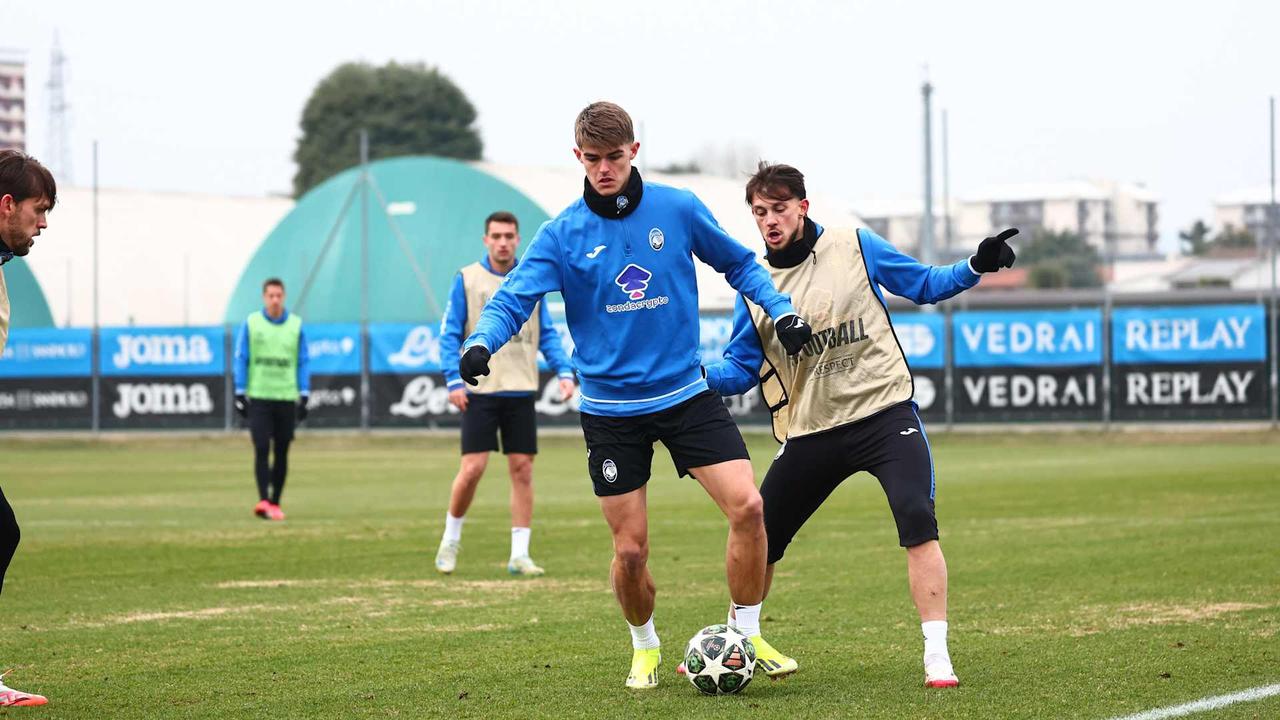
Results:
455 319
900 273
631 296
240 359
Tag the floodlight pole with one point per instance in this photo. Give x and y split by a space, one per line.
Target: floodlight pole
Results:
364 278
1272 240
946 191
96 344
926 220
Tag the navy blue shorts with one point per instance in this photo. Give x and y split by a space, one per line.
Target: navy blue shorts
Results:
697 432
891 445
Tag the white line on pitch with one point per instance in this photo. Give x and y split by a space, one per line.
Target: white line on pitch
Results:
1209 703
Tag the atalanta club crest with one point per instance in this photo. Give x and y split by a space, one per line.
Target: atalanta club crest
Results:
656 240
622 202
609 470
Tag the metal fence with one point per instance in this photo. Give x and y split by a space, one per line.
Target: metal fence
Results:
1070 356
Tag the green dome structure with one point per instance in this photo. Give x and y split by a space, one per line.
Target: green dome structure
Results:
29 307
425 220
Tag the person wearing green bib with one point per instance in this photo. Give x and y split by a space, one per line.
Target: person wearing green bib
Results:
272 384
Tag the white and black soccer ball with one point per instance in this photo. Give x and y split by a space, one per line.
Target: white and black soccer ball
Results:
719 660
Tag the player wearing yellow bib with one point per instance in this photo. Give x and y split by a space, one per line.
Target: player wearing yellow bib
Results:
502 401
272 384
843 405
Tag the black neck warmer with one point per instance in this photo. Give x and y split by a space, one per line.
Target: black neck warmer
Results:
615 206
5 253
799 249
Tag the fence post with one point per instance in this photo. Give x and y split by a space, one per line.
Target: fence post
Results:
948 367
95 383
228 379
1107 367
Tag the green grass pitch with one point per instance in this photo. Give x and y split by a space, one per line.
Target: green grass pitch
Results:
1091 576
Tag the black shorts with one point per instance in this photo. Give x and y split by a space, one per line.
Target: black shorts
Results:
891 445
697 432
512 414
272 421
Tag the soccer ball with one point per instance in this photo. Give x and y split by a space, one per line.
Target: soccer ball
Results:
719 660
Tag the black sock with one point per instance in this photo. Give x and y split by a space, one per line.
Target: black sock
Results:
261 470
278 471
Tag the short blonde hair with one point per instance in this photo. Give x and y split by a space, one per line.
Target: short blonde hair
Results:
603 125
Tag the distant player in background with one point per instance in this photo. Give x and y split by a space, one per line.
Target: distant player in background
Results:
844 404
503 401
272 384
622 256
27 194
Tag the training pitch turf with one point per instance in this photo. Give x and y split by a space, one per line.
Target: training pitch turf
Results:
1092 576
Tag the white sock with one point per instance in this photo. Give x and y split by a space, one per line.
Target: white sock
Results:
452 528
520 542
746 618
644 637
935 638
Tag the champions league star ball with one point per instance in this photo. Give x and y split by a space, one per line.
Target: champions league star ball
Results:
719 660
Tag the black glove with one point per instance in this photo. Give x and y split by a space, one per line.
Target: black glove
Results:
994 253
302 408
242 405
793 333
475 362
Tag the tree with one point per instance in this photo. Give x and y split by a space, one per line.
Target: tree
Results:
1195 240
1231 241
407 110
1060 259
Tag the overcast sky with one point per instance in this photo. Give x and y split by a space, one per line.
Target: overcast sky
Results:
207 97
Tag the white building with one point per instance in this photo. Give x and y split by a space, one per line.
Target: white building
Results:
13 104
1103 213
1112 217
1246 209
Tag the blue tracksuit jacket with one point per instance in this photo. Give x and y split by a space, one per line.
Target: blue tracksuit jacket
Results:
631 296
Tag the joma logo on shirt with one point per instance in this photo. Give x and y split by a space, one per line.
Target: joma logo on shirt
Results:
833 337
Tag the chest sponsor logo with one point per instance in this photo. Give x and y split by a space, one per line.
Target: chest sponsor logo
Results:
161 350
162 399
634 281
656 239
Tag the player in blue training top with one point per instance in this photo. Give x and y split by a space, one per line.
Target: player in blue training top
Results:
623 258
503 400
844 403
